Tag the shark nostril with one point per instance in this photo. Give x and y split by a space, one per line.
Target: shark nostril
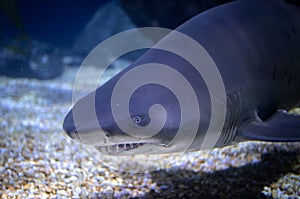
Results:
74 135
107 134
71 131
69 126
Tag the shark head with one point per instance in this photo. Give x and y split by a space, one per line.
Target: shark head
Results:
161 114
148 126
94 123
155 118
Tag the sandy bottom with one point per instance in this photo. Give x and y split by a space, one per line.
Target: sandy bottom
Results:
37 160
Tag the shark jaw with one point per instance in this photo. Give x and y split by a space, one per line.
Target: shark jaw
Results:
131 148
119 145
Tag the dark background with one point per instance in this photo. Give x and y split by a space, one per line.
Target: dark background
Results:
55 22
60 22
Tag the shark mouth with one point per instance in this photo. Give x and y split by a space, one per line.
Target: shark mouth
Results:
118 148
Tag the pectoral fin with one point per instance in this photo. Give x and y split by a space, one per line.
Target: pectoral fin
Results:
281 127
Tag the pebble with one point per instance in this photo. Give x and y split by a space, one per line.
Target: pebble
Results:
37 160
164 187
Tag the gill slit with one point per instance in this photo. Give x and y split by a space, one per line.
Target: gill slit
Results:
229 132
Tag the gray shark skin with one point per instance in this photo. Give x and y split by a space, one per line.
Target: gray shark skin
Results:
256 47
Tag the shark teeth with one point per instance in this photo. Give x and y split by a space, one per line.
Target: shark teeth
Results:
117 148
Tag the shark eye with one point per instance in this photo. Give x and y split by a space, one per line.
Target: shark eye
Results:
137 119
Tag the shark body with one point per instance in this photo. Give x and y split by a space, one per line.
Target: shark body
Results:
256 47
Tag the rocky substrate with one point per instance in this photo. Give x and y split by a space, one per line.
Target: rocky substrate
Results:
37 160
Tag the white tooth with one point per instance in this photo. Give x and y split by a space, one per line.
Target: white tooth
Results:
110 148
101 149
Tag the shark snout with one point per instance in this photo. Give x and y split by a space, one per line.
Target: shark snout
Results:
87 133
69 127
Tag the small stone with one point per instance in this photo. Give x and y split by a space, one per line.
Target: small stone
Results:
164 187
274 193
62 192
181 186
71 179
45 195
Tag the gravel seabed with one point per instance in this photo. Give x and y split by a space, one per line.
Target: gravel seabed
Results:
37 160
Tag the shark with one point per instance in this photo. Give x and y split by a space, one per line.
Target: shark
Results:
256 48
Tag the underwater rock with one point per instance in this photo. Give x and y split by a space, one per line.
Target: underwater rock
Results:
110 19
30 59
